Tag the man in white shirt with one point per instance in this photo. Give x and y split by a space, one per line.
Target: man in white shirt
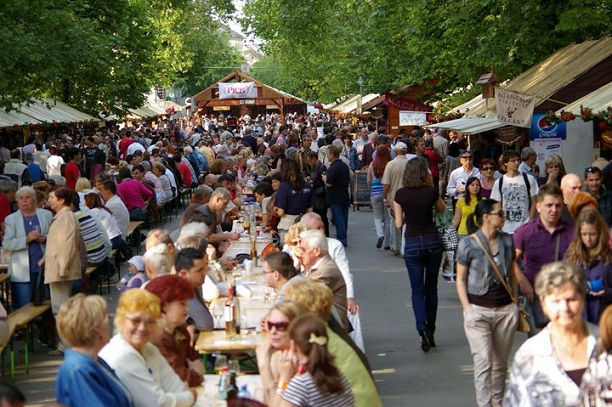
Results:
459 176
528 158
517 193
108 192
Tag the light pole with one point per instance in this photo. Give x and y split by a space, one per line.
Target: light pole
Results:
361 82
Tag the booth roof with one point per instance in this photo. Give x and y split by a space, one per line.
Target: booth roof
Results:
43 110
469 125
597 100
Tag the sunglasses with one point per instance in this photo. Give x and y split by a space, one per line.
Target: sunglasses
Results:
488 168
498 213
467 157
280 326
591 170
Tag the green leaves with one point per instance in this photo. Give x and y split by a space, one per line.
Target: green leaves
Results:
328 45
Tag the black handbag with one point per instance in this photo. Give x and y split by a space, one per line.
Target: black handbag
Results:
39 291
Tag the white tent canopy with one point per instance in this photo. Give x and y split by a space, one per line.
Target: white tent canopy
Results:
469 125
43 110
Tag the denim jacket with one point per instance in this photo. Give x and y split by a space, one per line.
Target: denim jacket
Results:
481 274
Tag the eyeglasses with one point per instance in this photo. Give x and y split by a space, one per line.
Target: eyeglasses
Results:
501 214
487 168
268 271
280 326
148 322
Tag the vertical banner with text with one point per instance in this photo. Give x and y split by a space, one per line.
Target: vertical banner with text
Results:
514 108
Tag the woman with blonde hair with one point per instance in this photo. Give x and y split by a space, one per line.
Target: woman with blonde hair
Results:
83 377
292 242
591 252
554 170
136 361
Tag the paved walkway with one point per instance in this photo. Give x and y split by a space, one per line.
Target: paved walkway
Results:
404 374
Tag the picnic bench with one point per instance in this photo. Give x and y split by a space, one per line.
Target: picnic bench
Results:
21 320
133 233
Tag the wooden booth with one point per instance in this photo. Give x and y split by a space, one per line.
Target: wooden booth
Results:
238 94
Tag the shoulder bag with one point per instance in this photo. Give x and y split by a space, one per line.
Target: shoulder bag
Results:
523 323
446 232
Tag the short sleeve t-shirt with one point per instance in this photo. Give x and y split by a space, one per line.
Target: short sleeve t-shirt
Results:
294 202
466 210
417 205
303 392
515 200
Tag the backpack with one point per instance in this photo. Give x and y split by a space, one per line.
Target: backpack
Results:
527 184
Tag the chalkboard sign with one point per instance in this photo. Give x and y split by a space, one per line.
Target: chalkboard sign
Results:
361 191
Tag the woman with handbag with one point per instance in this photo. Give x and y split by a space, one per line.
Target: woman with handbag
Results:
25 236
487 290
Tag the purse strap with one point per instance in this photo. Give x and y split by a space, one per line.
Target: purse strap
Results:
557 246
497 272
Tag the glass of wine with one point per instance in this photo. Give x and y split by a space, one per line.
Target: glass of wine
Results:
237 272
220 363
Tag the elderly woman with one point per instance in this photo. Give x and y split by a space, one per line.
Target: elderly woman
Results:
136 361
159 170
173 341
554 170
83 377
25 236
276 323
548 368
62 255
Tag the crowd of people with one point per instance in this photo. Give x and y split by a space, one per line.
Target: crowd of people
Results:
540 243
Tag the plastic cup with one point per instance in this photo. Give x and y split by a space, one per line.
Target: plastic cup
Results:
249 266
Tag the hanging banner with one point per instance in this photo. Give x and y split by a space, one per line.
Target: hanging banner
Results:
237 90
412 118
401 103
514 108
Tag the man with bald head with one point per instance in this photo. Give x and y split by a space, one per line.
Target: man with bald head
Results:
570 185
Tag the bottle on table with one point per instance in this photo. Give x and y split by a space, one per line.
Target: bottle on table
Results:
223 383
232 313
232 388
244 393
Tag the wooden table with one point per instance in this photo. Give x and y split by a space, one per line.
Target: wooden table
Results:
5 287
208 392
216 341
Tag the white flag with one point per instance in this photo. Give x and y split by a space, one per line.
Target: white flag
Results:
514 108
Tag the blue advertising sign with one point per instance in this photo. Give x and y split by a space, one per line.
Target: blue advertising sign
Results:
540 129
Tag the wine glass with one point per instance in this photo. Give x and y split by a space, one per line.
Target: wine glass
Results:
220 363
218 313
237 272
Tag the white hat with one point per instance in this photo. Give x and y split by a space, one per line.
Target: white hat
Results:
400 146
137 262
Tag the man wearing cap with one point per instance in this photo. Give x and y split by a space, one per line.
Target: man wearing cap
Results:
392 181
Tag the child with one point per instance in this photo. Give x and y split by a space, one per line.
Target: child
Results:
136 274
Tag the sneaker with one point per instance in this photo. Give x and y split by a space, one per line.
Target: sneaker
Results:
449 278
380 242
55 352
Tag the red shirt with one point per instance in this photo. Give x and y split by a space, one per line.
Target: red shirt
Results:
123 146
5 207
185 174
72 174
434 160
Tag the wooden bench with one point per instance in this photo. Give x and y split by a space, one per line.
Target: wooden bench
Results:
133 233
21 320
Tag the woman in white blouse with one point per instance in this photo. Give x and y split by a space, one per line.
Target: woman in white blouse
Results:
136 361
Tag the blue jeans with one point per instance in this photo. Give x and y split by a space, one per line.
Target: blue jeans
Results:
423 255
340 214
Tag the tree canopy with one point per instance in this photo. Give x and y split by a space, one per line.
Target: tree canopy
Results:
321 48
101 55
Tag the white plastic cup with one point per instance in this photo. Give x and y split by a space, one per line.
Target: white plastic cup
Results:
249 267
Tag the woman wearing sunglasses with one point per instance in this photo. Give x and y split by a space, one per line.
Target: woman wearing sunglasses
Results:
268 353
487 169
